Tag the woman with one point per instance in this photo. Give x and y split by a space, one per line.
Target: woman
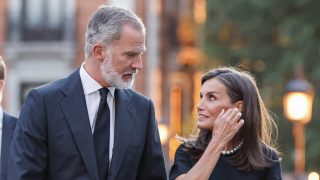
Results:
234 141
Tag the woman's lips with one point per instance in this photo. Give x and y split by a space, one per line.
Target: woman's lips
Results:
203 116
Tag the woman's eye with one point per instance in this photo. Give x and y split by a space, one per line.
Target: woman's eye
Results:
211 98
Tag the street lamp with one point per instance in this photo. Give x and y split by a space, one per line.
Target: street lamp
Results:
313 176
297 104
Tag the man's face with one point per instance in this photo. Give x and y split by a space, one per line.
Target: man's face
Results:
123 58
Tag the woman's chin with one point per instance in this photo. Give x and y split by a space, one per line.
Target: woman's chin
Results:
201 125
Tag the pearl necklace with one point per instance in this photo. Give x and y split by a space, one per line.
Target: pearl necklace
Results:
232 151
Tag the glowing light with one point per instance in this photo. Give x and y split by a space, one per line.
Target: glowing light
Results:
164 133
173 145
313 176
200 11
298 106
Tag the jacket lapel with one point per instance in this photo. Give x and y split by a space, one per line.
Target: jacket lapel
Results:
124 113
75 110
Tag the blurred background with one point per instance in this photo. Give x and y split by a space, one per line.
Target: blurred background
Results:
277 41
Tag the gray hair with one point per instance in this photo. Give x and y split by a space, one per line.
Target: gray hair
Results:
106 24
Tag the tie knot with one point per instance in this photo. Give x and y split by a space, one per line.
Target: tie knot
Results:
104 92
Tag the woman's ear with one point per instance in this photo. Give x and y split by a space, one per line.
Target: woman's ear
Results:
98 51
239 105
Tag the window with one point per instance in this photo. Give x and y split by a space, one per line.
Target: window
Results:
41 20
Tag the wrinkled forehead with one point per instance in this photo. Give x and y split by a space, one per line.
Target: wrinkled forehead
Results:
132 37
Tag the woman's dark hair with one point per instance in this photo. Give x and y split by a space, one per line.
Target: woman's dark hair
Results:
257 127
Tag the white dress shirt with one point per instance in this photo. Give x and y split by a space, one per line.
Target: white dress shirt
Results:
92 95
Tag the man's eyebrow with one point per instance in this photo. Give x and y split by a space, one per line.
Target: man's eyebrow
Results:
138 50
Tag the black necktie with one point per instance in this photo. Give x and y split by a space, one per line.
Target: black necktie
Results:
101 135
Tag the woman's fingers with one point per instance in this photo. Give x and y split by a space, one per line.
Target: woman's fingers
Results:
227 124
225 116
239 125
221 114
228 113
236 117
234 130
231 116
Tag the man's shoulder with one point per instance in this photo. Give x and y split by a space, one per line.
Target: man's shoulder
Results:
134 94
51 86
9 117
54 86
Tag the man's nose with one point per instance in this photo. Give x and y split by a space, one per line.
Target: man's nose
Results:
137 63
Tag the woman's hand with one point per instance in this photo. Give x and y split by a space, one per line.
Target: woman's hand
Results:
226 126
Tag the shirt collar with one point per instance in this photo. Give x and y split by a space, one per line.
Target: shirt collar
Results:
89 84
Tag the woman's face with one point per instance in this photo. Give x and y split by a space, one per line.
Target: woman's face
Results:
213 98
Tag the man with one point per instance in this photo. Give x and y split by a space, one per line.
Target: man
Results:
7 124
90 125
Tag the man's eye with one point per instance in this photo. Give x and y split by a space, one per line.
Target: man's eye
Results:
132 54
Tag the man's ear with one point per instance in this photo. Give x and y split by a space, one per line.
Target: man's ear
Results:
99 51
239 105
1 85
1 89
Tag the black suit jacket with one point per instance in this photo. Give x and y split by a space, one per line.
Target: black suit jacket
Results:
8 124
53 138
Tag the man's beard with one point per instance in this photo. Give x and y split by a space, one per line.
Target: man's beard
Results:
112 77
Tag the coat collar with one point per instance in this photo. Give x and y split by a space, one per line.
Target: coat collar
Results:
125 113
75 110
